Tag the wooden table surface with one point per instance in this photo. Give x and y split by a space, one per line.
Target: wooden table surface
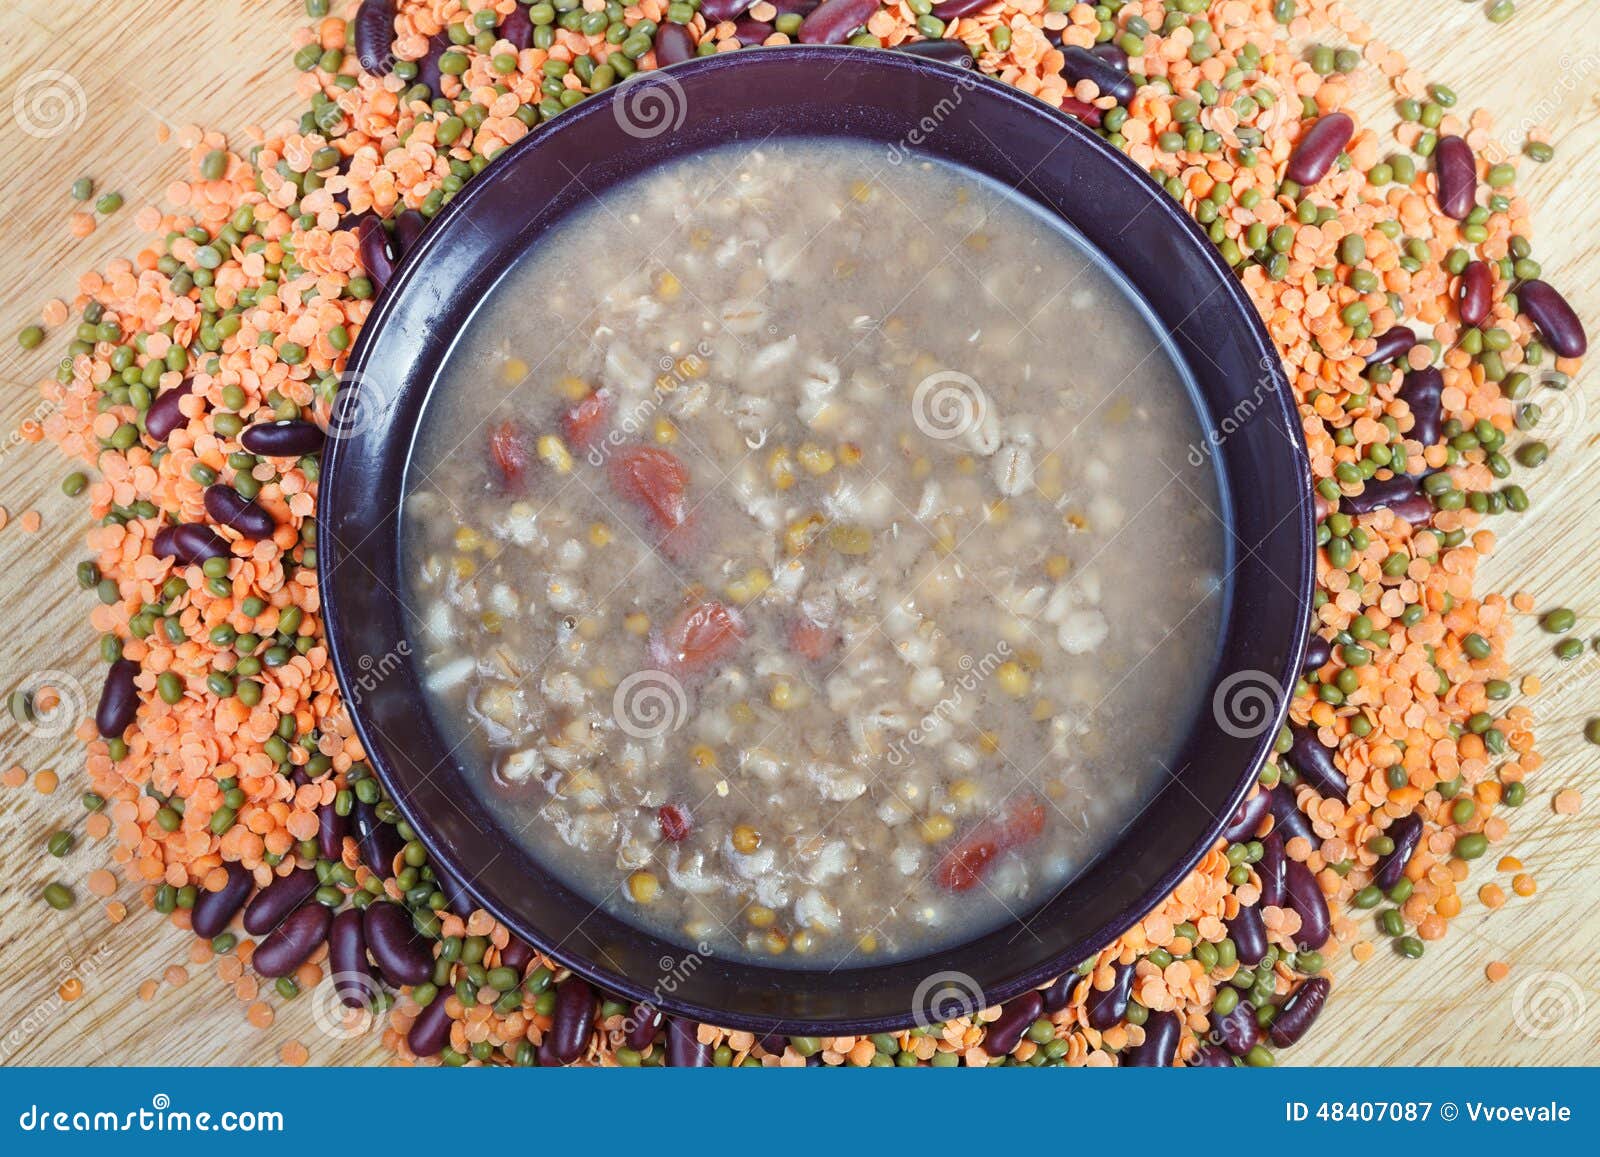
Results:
126 68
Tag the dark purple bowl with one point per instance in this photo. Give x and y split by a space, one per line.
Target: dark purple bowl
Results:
910 106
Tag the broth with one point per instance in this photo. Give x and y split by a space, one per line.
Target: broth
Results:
807 554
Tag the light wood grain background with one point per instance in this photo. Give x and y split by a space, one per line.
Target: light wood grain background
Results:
131 66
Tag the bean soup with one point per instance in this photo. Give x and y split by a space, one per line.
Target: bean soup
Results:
808 555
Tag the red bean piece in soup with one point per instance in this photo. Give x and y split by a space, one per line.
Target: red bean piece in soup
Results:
655 481
965 864
585 423
700 638
509 450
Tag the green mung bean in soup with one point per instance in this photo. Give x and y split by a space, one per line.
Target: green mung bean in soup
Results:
808 556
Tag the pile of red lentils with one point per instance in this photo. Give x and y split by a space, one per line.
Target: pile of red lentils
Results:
1393 268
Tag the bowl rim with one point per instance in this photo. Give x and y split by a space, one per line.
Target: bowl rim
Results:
1175 220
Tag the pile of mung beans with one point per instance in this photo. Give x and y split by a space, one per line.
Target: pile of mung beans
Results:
1393 267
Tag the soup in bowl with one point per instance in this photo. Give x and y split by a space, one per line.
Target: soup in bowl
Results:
816 563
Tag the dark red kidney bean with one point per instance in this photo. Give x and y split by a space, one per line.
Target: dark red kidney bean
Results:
573 1020
1319 146
330 832
226 505
517 28
1083 110
354 979
716 11
1475 294
1406 832
378 253
1393 342
1106 1009
1112 55
119 700
1249 936
834 21
1318 652
401 954
1291 821
517 955
163 416
1423 391
292 438
292 941
547 1053
951 9
948 51
1315 763
673 44
1237 1032
752 32
213 910
455 895
1160 1045
1457 172
190 543
380 843
643 1023
1248 818
269 906
1059 994
408 228
1273 871
1210 1057
1558 323
1004 1033
684 1050
1402 494
428 67
374 35
1306 898
1297 1013
1081 64
430 1032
